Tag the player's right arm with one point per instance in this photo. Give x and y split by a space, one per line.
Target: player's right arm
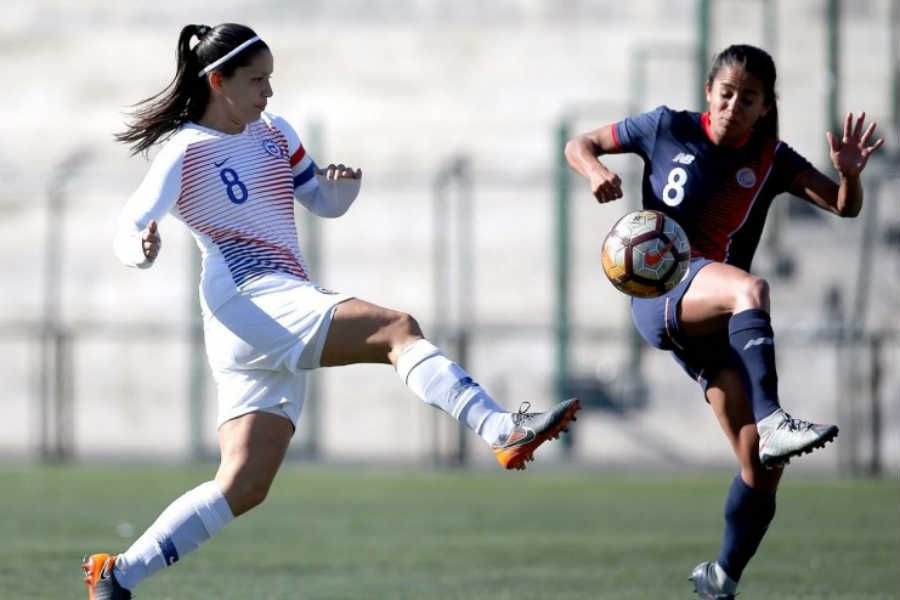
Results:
137 241
636 134
582 154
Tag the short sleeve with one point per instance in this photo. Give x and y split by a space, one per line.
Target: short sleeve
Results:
638 133
789 164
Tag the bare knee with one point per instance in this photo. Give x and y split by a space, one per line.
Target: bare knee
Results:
402 330
244 489
253 446
751 292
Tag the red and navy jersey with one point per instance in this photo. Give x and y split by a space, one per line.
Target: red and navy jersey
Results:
720 195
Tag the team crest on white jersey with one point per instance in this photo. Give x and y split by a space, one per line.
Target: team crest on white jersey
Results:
746 178
683 158
273 148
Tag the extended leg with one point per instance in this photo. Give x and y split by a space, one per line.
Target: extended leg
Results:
365 333
722 296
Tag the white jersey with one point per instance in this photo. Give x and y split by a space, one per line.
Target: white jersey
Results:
235 193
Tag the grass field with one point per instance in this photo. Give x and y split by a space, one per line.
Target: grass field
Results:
352 533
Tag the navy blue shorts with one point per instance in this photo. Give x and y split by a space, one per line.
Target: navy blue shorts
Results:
657 321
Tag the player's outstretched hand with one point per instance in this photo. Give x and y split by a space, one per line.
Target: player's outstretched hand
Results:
850 153
605 185
151 241
334 172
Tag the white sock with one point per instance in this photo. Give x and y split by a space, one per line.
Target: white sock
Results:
725 583
189 521
442 383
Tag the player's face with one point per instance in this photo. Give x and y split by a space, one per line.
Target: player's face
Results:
248 89
736 100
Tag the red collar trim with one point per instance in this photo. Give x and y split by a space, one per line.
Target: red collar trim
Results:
704 121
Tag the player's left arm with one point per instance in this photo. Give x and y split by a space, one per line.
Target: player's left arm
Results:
327 192
849 155
337 186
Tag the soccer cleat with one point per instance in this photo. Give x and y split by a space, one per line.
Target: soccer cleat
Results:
782 437
705 585
530 430
97 572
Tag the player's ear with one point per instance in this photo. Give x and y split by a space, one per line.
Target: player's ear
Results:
215 81
708 89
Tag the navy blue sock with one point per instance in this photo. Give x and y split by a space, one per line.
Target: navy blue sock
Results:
753 347
748 513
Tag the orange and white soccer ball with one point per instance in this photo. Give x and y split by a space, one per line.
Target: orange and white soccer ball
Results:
646 254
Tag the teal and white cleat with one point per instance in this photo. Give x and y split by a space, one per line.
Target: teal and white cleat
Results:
782 437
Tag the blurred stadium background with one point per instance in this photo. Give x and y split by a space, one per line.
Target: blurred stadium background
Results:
470 221
456 113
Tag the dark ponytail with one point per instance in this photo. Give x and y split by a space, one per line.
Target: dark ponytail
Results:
186 97
759 63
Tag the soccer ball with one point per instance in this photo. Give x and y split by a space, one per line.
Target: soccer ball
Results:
646 254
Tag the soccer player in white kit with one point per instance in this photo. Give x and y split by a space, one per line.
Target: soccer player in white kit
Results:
231 173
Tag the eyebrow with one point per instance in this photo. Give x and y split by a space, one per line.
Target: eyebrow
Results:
730 86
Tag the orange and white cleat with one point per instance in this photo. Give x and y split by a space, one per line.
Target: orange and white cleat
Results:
530 430
97 572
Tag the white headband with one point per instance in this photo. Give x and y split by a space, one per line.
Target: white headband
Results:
218 63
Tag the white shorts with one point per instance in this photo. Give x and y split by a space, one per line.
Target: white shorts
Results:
261 342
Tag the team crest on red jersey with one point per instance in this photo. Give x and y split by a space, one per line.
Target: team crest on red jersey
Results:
746 178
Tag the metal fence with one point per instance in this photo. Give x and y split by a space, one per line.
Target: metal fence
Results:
484 289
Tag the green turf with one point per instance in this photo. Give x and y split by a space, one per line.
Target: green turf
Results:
351 533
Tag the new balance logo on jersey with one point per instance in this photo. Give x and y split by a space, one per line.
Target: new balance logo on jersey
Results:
759 342
683 158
